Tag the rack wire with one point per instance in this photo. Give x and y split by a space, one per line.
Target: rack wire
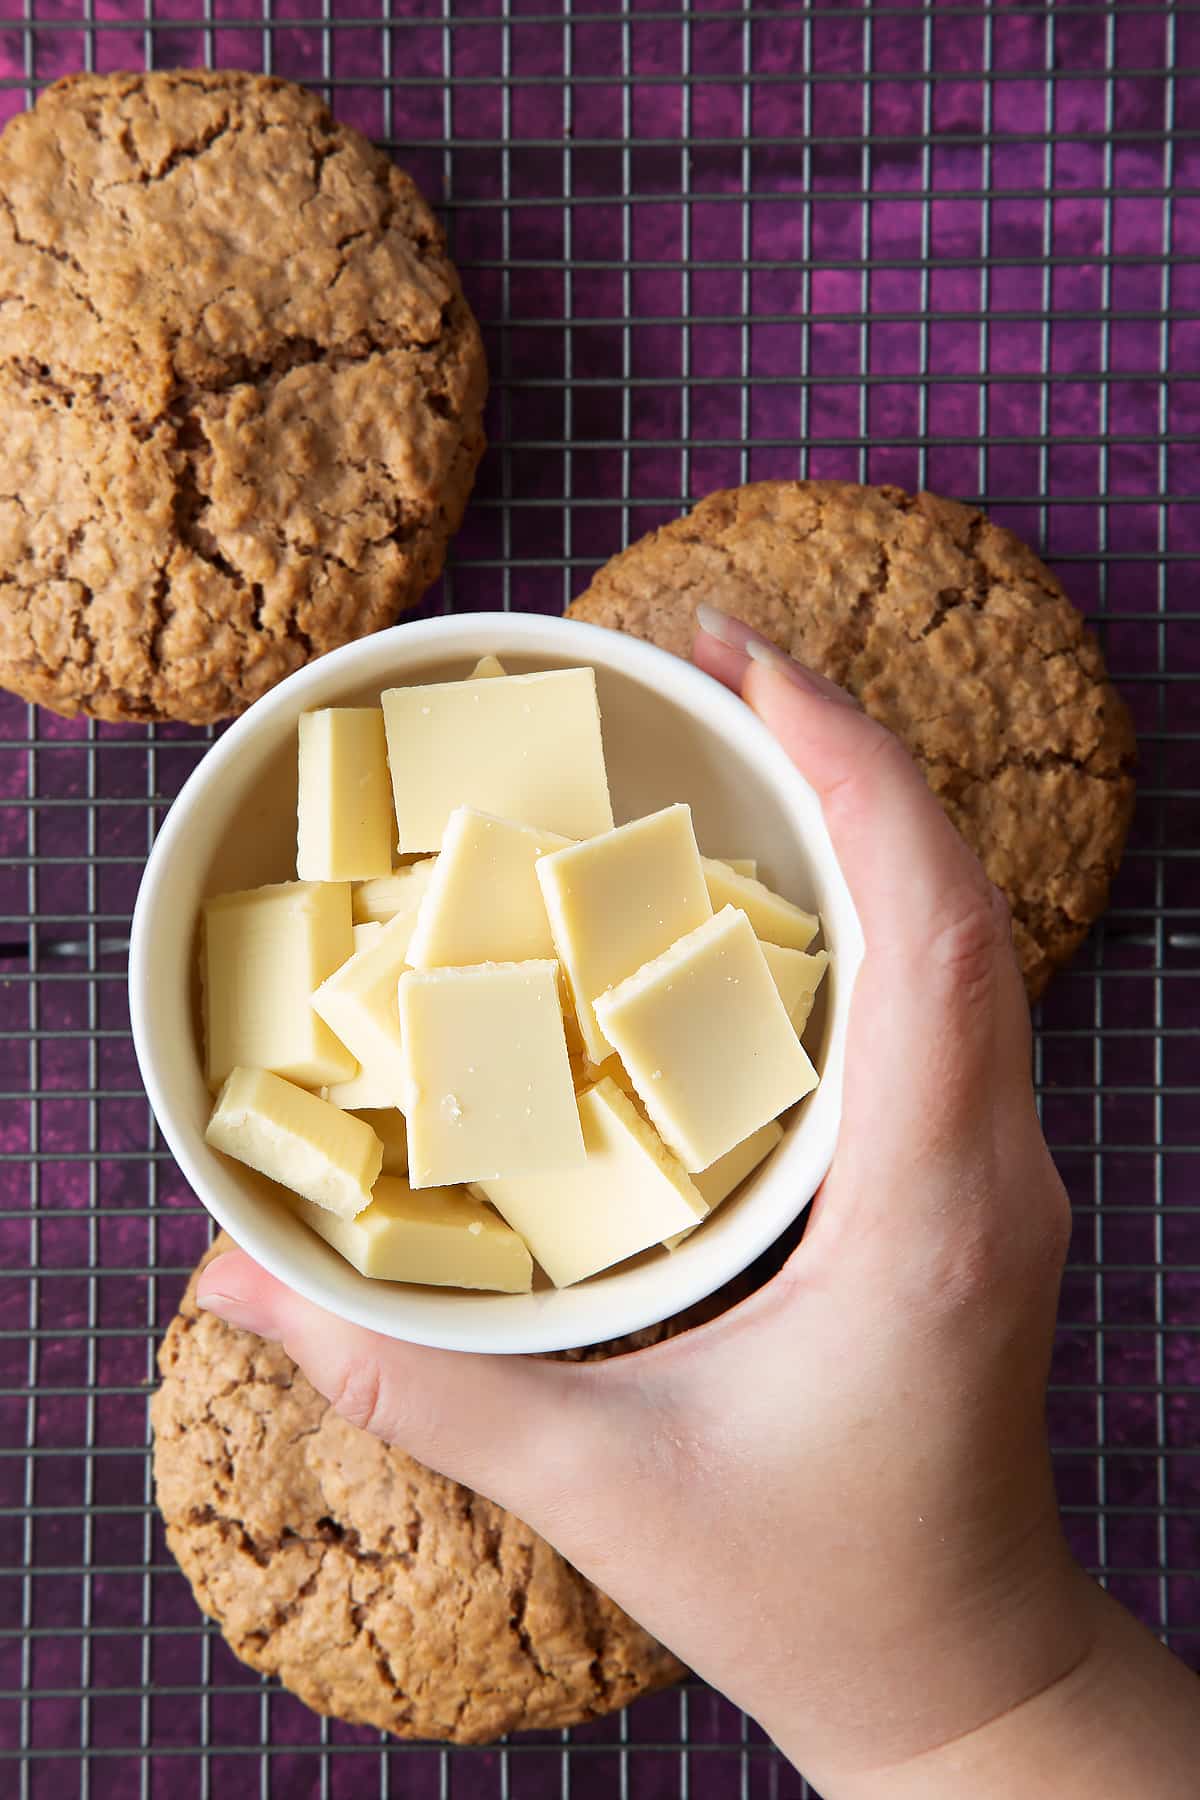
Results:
951 245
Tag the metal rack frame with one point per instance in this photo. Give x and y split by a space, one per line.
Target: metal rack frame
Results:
941 244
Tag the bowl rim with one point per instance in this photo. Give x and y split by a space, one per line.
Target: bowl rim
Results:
685 1279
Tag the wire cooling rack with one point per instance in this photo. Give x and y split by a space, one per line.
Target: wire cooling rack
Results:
950 244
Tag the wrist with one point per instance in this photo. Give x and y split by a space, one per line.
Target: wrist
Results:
963 1652
1123 1718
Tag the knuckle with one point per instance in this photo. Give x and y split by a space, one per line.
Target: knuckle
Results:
881 751
357 1394
967 939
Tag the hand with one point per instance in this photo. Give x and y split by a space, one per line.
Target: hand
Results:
834 1501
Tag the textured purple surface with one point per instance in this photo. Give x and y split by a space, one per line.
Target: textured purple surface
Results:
892 243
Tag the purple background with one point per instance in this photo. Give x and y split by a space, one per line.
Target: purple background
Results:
925 245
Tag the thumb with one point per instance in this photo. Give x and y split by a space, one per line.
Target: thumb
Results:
519 1429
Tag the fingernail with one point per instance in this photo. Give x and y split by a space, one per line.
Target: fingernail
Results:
723 626
230 1307
807 680
735 634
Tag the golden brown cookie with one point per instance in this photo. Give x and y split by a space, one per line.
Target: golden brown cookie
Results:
950 631
241 392
376 1590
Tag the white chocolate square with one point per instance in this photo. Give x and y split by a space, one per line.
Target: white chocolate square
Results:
379 901
776 920
328 1156
797 974
344 809
718 1181
524 747
487 668
628 1195
489 1090
358 1002
439 1237
707 1041
619 900
264 951
387 1122
483 903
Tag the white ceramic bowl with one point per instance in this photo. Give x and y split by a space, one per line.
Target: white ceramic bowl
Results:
670 733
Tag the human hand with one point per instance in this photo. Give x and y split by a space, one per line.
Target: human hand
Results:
835 1500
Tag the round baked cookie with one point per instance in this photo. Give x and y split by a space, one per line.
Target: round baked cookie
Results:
949 630
241 392
377 1591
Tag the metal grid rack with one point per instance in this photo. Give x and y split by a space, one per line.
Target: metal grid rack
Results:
945 244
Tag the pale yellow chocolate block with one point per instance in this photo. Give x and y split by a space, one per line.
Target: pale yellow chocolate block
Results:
776 920
487 668
629 1194
362 1092
797 974
344 810
707 1041
741 865
617 901
488 1080
483 903
439 1237
359 1002
380 901
328 1156
525 747
586 1073
387 1122
264 952
718 1181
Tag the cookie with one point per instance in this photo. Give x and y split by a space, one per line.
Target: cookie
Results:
950 631
377 1591
241 392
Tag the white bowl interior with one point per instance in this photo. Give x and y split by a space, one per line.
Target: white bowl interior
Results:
670 734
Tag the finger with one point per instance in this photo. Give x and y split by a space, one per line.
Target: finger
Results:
516 1428
903 861
939 999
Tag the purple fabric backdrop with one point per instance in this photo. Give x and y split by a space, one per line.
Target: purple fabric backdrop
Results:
892 243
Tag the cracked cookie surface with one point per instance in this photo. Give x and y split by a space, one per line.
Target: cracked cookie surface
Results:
948 629
241 389
377 1591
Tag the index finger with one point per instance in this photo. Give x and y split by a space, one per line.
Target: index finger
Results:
904 863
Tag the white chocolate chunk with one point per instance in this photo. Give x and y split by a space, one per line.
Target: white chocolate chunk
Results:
328 1156
586 1073
525 747
776 920
487 668
718 1181
358 1002
344 811
707 1041
619 900
378 902
264 952
440 1237
797 974
387 1122
363 1090
483 903
741 865
629 1194
361 1093
488 1080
